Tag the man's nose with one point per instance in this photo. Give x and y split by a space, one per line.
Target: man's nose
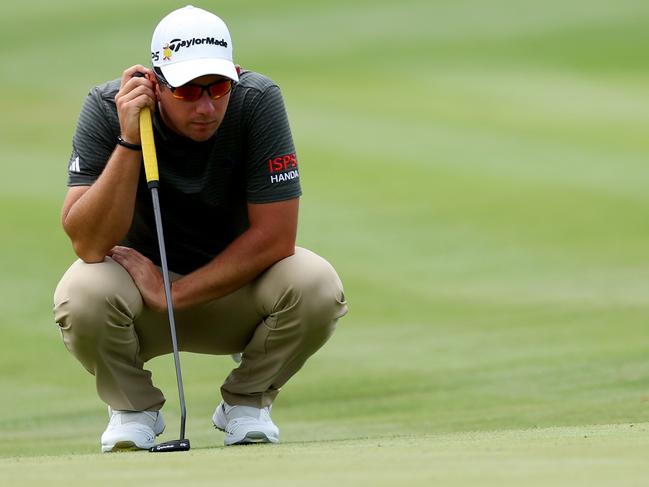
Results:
205 104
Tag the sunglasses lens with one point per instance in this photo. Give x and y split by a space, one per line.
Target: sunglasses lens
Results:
188 92
191 92
220 88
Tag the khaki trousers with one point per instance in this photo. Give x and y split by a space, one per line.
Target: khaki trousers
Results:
278 321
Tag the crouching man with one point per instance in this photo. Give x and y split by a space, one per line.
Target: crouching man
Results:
229 192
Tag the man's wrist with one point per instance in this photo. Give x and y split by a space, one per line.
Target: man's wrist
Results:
176 288
128 145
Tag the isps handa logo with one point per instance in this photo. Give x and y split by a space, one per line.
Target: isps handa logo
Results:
176 44
283 168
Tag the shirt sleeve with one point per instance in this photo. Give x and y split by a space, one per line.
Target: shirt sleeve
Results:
272 172
93 141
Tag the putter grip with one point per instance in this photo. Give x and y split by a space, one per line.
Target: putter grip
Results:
148 147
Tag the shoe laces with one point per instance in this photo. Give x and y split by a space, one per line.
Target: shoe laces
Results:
147 418
237 411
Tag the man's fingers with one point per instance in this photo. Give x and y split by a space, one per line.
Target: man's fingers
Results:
129 73
122 251
135 92
118 249
122 254
145 274
120 258
143 88
129 257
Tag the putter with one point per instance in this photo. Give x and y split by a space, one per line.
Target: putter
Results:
151 171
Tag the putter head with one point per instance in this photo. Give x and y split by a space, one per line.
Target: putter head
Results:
173 445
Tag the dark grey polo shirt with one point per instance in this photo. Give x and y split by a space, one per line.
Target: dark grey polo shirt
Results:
204 186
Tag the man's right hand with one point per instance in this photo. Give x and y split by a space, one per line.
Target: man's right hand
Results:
134 93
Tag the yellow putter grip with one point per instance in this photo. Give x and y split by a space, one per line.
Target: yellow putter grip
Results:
148 146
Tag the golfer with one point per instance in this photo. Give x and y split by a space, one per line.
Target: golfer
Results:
229 192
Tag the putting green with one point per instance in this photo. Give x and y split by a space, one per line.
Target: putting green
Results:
590 455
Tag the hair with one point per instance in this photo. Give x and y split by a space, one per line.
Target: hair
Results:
160 76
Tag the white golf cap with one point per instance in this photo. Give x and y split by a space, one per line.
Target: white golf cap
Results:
192 42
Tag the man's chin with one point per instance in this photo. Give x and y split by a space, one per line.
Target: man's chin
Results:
202 138
200 135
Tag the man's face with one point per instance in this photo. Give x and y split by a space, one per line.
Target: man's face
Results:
197 120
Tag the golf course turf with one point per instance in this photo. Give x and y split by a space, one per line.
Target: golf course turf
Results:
477 173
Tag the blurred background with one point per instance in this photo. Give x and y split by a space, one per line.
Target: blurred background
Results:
475 170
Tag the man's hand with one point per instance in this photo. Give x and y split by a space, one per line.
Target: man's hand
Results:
134 94
145 274
270 238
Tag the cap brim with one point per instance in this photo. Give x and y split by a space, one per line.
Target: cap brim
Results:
182 72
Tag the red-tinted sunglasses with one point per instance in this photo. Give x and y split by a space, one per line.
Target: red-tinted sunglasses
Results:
193 91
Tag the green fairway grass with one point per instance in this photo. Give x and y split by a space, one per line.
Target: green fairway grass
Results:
589 456
475 170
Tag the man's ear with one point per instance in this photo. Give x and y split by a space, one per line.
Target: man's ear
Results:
156 87
238 68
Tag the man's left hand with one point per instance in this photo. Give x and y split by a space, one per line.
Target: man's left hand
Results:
145 274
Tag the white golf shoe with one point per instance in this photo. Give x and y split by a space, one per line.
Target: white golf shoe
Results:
131 430
245 424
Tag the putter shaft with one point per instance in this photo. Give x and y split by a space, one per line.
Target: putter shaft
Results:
152 177
170 310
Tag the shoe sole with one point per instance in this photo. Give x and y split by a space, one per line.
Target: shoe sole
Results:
252 437
122 446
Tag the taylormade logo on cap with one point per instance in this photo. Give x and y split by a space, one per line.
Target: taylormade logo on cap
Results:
176 44
191 42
